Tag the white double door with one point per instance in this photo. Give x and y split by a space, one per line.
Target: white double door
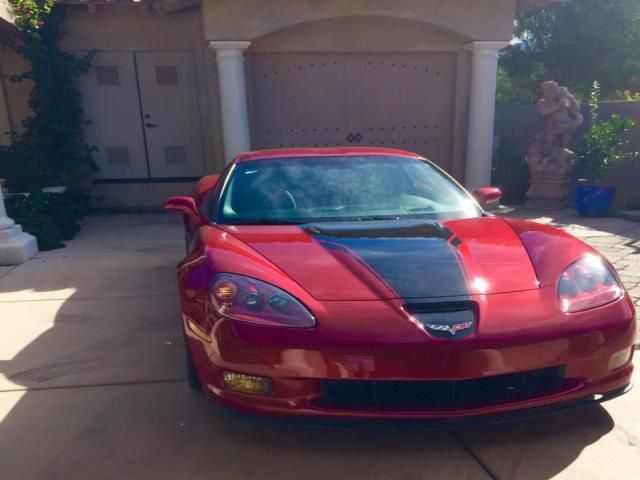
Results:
142 109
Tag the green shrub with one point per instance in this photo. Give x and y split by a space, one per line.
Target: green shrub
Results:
50 217
606 141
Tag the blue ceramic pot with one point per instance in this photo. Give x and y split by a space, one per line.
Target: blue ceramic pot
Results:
593 200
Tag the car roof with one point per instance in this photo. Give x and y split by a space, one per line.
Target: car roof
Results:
323 152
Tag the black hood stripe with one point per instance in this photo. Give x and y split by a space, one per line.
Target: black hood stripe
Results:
413 258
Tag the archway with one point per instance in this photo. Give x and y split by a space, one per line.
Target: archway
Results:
359 81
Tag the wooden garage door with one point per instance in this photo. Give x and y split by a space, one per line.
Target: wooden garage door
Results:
398 100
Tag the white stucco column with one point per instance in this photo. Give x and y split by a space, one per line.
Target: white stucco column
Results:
16 246
233 96
484 66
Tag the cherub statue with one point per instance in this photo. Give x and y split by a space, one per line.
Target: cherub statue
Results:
563 113
549 158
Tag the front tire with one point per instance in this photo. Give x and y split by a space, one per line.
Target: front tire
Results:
192 374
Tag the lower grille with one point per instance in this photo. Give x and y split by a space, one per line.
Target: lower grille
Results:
441 394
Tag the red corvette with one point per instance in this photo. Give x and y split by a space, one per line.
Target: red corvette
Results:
366 283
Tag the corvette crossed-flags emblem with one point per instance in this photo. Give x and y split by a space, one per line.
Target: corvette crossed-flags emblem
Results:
452 329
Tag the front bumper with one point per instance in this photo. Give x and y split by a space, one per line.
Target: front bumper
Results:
300 364
577 395
586 379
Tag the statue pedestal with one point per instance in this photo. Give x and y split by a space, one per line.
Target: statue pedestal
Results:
16 246
548 194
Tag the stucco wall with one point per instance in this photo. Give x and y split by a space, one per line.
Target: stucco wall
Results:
359 34
250 19
138 195
6 13
16 93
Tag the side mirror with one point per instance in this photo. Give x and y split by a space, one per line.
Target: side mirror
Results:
487 197
185 205
207 184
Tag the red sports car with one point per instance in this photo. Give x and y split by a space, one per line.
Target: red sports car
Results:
366 283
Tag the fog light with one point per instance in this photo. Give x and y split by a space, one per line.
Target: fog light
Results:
239 382
618 359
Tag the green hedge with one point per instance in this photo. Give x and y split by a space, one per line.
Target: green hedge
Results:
51 217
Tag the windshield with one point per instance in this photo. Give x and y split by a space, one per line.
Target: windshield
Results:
314 189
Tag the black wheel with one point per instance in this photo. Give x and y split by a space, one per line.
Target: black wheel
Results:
192 375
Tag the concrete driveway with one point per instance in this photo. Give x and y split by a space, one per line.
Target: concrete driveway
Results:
92 387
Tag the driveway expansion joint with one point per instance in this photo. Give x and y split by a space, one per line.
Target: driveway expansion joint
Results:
477 459
74 298
96 385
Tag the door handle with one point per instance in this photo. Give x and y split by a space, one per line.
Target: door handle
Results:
150 125
357 137
351 137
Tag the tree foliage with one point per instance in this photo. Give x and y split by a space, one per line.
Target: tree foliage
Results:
576 43
30 15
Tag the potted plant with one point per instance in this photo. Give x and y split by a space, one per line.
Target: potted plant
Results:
605 143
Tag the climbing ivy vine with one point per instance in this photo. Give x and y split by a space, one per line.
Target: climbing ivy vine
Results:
50 148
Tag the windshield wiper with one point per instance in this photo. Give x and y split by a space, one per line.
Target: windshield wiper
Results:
264 221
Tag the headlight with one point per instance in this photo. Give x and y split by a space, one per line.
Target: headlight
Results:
587 283
250 300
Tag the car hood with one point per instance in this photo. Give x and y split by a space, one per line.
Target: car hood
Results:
396 259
